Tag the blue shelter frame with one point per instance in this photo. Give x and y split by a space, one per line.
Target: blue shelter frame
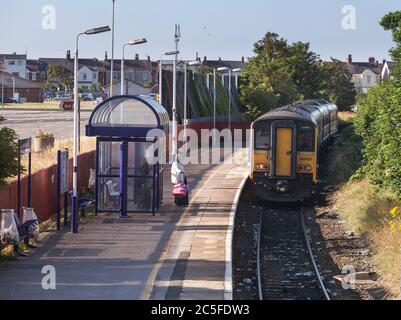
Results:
125 181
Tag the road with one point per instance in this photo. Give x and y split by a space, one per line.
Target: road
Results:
27 123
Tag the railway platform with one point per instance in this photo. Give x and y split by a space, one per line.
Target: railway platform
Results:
181 253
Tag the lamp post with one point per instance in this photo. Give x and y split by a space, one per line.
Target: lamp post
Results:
129 43
214 105
191 64
177 38
225 69
74 216
112 54
13 87
237 72
169 53
2 89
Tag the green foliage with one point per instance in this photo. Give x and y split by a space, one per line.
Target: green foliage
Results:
378 123
60 76
337 86
8 154
281 73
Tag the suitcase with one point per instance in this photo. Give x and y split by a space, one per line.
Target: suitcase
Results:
181 195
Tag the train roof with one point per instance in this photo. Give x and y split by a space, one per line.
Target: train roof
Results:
301 110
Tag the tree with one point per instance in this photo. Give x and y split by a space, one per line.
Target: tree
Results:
267 80
337 86
281 73
60 75
8 154
392 22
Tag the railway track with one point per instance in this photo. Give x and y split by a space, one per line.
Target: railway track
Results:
286 268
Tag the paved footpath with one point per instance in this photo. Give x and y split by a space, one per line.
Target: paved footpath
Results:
179 254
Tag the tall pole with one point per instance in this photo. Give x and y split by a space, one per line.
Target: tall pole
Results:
161 81
174 111
229 99
74 216
214 105
123 73
13 87
185 106
2 89
112 55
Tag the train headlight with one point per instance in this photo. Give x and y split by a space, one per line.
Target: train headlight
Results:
305 168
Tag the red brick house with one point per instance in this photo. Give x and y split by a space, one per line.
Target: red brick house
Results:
29 91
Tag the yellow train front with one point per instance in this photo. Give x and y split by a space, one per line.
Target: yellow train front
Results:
285 147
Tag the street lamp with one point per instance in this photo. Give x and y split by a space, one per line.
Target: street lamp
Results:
129 43
237 72
225 69
74 216
13 87
169 53
191 64
112 55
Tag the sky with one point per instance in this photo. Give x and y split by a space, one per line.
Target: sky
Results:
214 28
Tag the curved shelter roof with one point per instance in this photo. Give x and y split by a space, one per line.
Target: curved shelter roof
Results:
127 117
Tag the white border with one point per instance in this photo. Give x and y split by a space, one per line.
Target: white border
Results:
228 278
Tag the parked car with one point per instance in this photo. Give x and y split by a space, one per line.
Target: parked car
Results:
63 97
8 100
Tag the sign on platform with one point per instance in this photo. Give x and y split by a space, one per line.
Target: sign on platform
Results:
64 162
25 146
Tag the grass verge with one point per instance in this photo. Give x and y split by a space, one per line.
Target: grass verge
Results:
365 207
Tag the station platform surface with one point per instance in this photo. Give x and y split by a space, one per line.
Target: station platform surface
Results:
181 253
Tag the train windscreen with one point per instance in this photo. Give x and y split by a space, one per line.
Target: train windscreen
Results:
262 136
305 138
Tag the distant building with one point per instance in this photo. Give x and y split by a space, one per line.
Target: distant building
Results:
365 75
387 69
131 88
21 89
14 64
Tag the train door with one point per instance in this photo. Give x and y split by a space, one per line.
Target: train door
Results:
284 149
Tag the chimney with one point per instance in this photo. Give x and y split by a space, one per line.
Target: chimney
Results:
219 58
350 58
243 59
204 59
377 63
384 61
68 55
372 60
105 56
197 56
149 58
136 56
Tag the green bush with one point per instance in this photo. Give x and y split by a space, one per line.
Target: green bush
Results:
378 122
8 154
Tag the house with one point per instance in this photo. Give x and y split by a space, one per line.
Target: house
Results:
364 74
34 70
21 89
137 70
14 64
386 70
131 88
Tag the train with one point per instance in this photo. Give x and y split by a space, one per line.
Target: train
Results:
285 146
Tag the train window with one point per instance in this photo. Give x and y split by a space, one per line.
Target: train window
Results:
262 136
305 138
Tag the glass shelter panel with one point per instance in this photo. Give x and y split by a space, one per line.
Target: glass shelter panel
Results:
109 158
140 194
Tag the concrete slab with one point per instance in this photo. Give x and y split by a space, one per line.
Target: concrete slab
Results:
179 254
